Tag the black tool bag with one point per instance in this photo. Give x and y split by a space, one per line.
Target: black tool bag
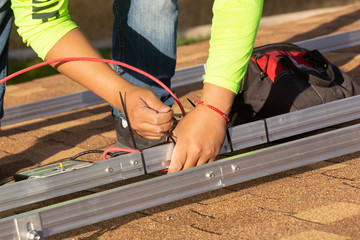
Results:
283 77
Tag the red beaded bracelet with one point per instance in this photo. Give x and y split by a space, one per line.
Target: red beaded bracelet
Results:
226 117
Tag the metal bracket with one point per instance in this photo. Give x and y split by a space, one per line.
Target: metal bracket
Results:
29 227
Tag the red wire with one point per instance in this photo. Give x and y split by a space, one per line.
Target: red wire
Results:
118 149
68 59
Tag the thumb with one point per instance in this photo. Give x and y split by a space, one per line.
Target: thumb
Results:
157 105
174 167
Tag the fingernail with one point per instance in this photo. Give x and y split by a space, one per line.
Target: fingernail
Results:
165 163
174 167
165 108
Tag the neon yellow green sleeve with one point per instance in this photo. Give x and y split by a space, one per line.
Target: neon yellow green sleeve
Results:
41 23
234 27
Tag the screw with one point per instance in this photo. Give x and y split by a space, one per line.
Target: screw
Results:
33 235
134 162
210 175
109 170
235 168
61 167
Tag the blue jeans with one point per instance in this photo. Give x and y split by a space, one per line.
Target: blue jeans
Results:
144 36
6 17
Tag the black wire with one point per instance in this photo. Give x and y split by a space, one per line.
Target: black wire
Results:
132 132
86 152
114 154
172 140
229 139
191 102
169 133
7 180
127 119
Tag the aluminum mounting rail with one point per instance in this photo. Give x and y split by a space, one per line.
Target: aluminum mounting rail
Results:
313 118
90 175
182 77
294 123
49 107
159 190
333 42
308 150
243 136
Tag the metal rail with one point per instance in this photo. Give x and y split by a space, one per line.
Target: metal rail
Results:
333 42
243 136
107 171
87 210
130 165
182 77
313 118
50 107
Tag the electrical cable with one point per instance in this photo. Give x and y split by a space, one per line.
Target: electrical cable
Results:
86 152
117 153
7 180
132 132
70 59
119 150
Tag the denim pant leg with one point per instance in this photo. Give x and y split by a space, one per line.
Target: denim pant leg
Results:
6 17
144 36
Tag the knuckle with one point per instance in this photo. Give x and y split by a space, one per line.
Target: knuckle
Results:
197 150
209 152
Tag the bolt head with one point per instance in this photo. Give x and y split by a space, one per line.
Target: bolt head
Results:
235 168
33 235
210 175
134 162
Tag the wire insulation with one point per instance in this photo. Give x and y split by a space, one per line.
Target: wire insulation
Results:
70 59
119 150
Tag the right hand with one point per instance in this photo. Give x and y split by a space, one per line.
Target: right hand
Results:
148 116
202 131
200 135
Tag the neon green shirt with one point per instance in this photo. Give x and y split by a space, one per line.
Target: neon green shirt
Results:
234 27
42 23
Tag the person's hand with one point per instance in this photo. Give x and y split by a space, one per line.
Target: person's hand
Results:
199 135
149 117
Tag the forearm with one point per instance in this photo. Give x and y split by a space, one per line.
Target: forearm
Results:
233 33
217 96
46 26
97 77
